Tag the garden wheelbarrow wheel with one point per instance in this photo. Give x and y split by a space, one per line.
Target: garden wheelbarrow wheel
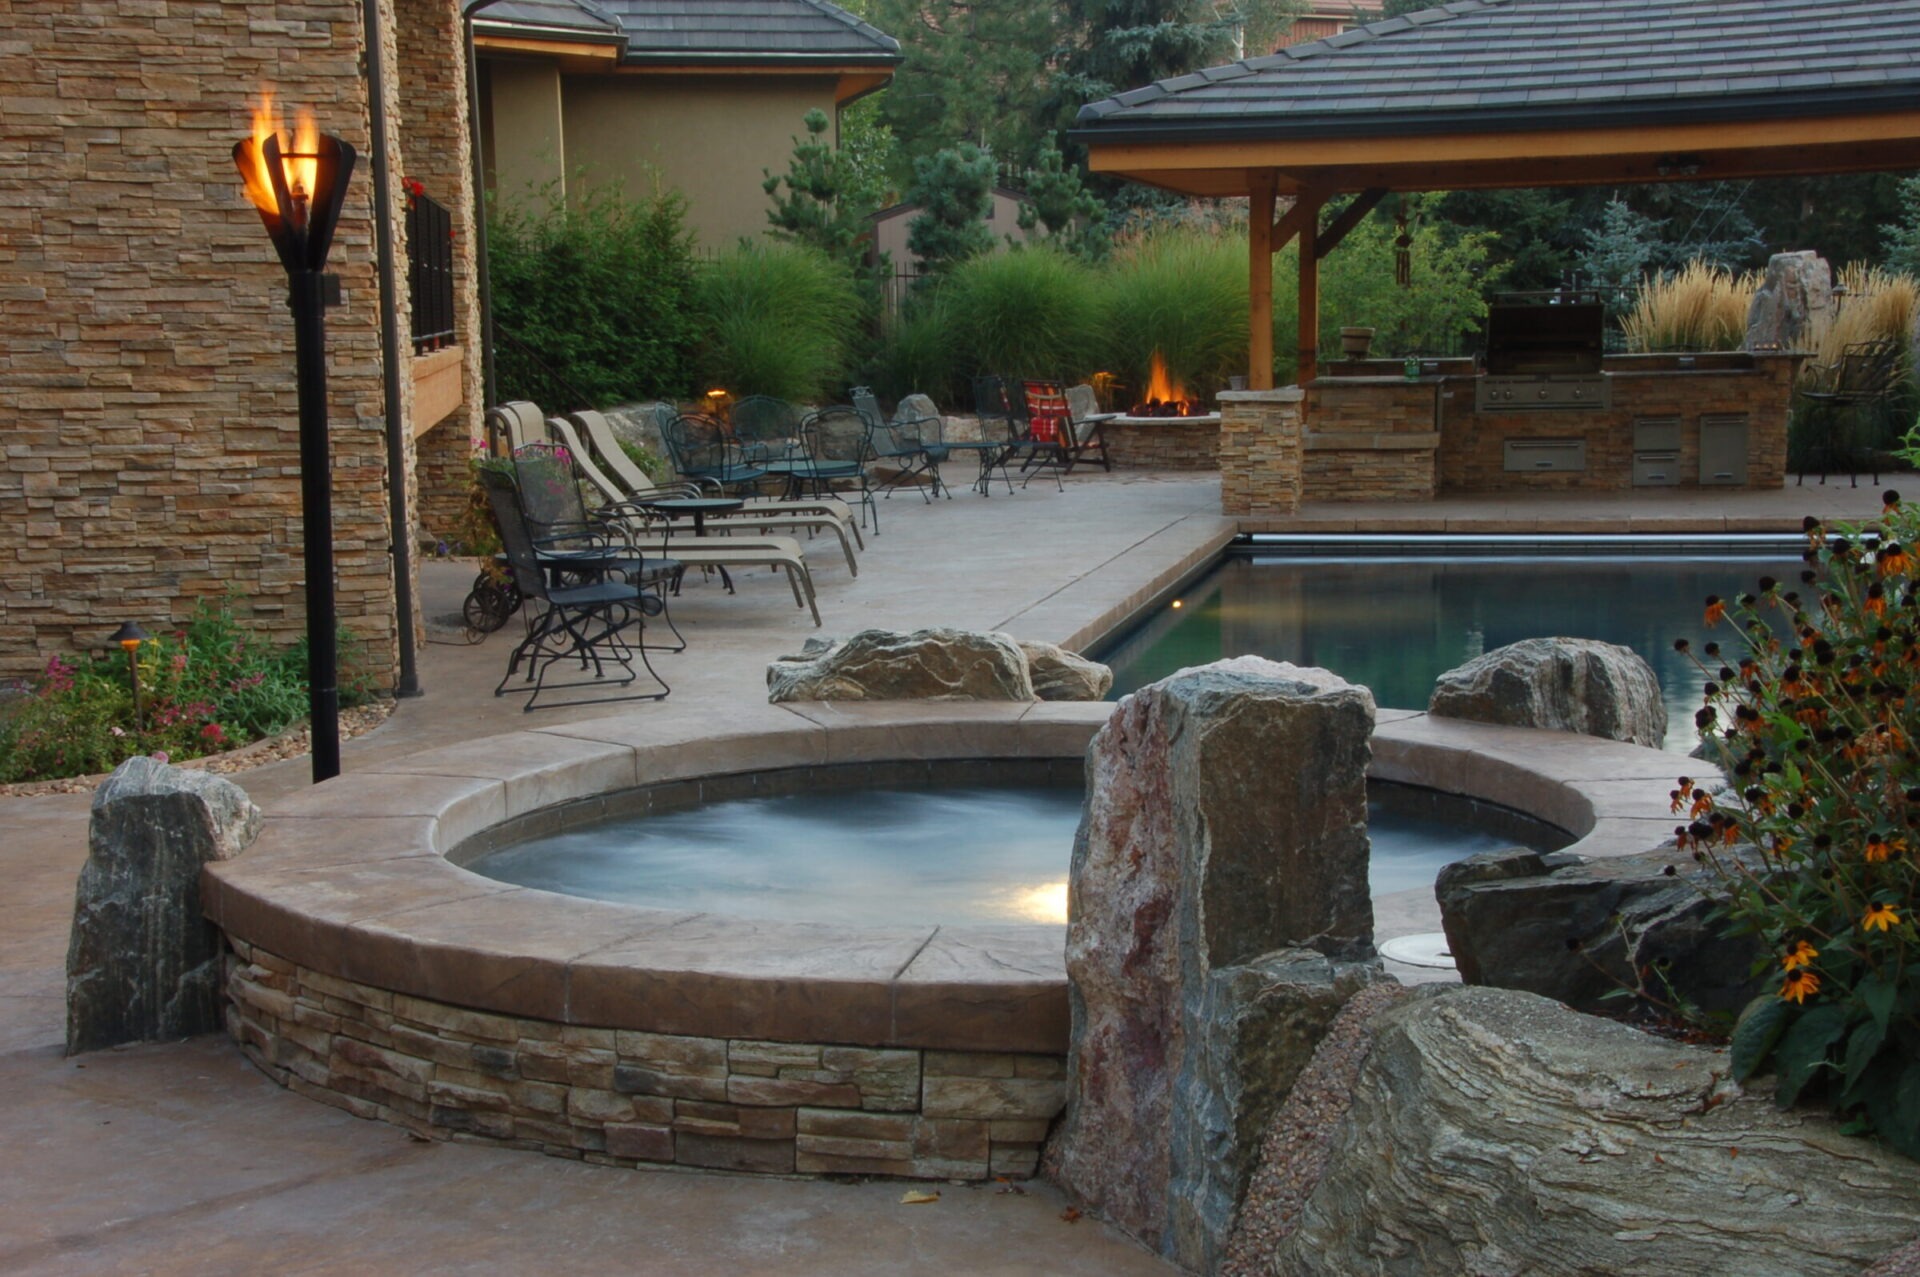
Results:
488 606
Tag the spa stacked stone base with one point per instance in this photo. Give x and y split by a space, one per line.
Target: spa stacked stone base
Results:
628 1098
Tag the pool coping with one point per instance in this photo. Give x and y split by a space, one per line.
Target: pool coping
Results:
350 878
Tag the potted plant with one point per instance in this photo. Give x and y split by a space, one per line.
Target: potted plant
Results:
1355 342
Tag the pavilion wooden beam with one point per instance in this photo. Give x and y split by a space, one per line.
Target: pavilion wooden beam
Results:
1260 237
1350 216
1309 311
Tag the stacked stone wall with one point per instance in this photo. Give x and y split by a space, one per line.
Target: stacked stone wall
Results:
1260 452
1371 440
621 1097
1164 445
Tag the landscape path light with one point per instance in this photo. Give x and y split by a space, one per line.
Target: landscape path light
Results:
298 182
130 636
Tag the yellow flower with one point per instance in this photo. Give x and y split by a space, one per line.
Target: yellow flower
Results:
1800 986
1802 955
1880 918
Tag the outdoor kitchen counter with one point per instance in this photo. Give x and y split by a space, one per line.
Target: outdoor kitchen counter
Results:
1372 436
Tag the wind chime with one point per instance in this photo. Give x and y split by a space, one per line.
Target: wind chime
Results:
1403 250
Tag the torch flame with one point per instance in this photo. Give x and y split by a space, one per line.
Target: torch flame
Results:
298 156
1160 386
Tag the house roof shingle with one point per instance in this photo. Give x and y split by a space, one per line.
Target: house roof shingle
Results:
1543 64
720 31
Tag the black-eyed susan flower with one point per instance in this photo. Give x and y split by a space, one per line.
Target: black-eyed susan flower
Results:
1801 955
1892 558
1800 986
1880 917
1877 850
1716 609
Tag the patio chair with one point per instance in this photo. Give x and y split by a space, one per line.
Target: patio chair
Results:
701 448
581 621
762 513
636 489
1042 444
648 532
909 445
765 429
839 444
1863 379
998 426
1083 428
513 425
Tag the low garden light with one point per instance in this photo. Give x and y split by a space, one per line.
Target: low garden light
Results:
130 636
298 182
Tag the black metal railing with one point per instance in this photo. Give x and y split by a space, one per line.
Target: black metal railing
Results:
430 272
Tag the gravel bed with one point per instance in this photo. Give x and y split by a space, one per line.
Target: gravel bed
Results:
356 721
1294 1154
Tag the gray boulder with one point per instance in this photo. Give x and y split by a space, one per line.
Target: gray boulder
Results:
1576 930
1495 1133
143 964
1797 291
1560 684
1220 917
889 665
1060 675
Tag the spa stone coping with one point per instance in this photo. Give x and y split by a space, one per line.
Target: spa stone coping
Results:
351 878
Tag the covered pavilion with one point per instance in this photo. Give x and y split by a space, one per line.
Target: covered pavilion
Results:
1513 93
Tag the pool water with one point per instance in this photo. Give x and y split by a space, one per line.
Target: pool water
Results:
1396 625
877 857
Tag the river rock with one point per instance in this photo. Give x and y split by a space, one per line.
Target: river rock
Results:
1576 929
889 665
1219 918
1796 293
1561 684
1494 1132
1060 675
143 964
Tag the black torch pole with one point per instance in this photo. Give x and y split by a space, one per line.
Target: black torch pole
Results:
306 297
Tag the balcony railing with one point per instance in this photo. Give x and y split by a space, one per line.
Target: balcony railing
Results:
430 272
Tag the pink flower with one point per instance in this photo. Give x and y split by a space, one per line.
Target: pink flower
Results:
180 661
213 732
158 755
117 731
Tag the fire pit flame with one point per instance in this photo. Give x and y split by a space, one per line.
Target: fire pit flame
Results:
1166 395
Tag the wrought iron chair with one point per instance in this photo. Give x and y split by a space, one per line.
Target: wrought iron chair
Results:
910 445
998 426
579 622
701 448
839 444
766 429
1864 378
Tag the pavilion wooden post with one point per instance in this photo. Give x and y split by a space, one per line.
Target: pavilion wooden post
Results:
1260 283
1309 313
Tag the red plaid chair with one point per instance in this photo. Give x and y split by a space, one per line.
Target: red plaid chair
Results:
1049 423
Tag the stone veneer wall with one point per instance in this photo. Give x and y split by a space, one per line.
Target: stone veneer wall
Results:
1371 440
1163 445
627 1098
1260 451
148 390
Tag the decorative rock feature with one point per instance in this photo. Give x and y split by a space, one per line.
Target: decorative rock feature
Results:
143 962
934 665
627 1098
1060 675
1798 288
1498 1132
1220 917
1560 684
1576 930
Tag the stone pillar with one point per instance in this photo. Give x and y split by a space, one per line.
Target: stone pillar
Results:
1260 453
1220 917
143 963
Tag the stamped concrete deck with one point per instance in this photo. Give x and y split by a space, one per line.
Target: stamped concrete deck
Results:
176 1158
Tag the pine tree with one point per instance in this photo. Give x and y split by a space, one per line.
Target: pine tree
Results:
954 189
1073 217
818 205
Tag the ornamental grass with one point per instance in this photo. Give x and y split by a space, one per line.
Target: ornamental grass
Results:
1812 708
1699 307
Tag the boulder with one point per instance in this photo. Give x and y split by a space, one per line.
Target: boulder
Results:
143 964
1060 675
1561 684
1496 1132
916 408
1576 930
1797 291
888 665
1219 918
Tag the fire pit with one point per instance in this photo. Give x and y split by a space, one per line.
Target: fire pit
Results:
1166 400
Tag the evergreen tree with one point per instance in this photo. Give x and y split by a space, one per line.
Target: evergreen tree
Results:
954 189
1073 217
813 202
1902 238
975 71
1618 252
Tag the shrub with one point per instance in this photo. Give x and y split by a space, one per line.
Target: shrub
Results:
1814 718
593 297
1028 312
1181 291
777 319
1876 305
916 353
1699 307
209 687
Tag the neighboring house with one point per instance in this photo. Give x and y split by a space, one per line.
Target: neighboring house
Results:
1322 18
891 225
698 96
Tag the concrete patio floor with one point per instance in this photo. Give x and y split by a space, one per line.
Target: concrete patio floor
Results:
178 1157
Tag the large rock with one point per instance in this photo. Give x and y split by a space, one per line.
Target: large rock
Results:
1219 917
1576 930
143 964
889 665
1561 684
1060 675
1495 1132
1796 294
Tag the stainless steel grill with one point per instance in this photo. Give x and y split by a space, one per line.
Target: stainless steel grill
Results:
1543 354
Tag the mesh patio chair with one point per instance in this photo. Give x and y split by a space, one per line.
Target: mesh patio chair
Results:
701 448
580 622
909 445
998 426
839 444
1863 379
766 429
1083 428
